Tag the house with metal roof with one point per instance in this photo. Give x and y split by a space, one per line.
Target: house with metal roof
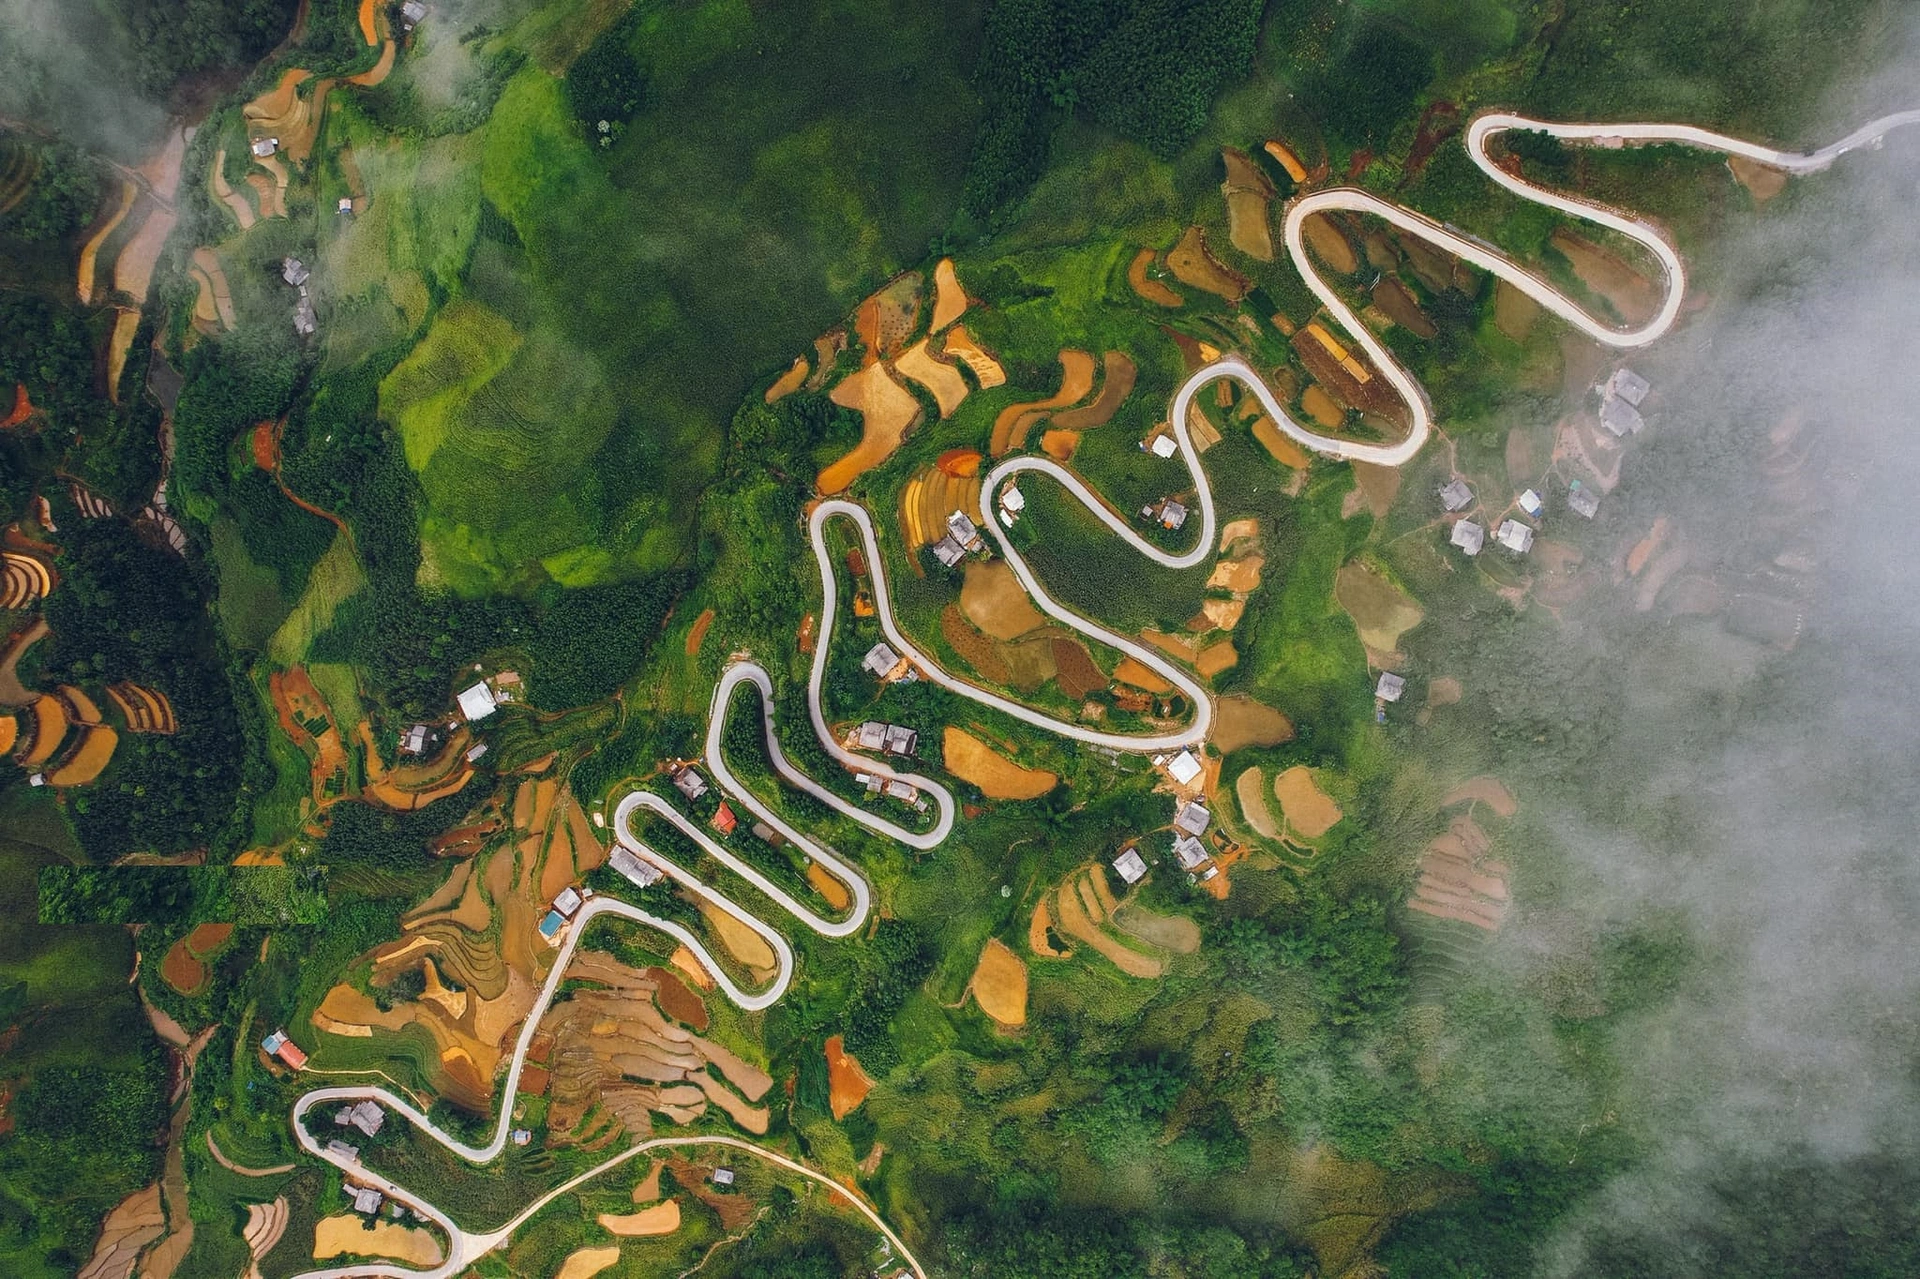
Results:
1390 687
640 874
881 660
1192 818
1582 500
1189 851
1468 536
1515 536
1130 865
1456 496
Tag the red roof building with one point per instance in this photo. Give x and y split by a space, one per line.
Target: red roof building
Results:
291 1054
724 821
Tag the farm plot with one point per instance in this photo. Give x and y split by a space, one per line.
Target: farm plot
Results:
887 412
1309 812
1381 611
1248 192
1146 286
1011 426
972 760
999 985
1240 722
348 1234
961 345
993 600
1192 263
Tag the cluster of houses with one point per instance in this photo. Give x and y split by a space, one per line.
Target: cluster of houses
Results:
295 273
565 906
963 535
1012 502
1620 398
894 739
363 1115
1190 822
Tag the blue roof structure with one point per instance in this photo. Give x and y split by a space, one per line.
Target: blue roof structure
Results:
550 926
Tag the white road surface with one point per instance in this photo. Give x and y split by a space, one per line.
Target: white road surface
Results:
467 1247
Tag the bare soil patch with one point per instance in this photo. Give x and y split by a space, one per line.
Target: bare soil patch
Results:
847 1081
1248 191
831 890
1514 313
1490 791
1381 611
1118 384
1330 244
1309 811
1321 407
1137 674
1192 263
660 1219
1632 295
133 268
949 299
972 760
367 31
1241 575
347 1234
993 600
999 985
949 389
975 649
1010 427
678 1000
1148 287
698 635
1060 445
585 1263
1643 549
790 381
986 370
182 969
1281 447
1240 721
1281 152
887 412
1216 658
1250 789
1399 305
740 941
1074 668
1762 181
1378 485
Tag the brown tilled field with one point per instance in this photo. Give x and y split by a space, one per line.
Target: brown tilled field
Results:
943 380
1248 192
1330 244
1250 789
790 381
972 760
181 969
1148 287
993 600
1010 427
999 985
1398 304
949 299
1193 264
1381 611
847 1082
698 634
975 649
1241 722
1074 668
1634 297
1309 811
961 345
887 412
1117 386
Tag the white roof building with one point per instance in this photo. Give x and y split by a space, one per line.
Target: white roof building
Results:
723 1176
475 753
412 12
1013 499
900 790
414 740
346 204
365 1199
948 551
1131 866
1456 496
1621 417
1189 851
871 736
1583 500
641 874
1390 687
366 1116
1530 503
881 659
963 529
1172 514
568 901
1184 767
477 702
1164 446
1515 536
1627 385
1468 536
521 1136
1193 818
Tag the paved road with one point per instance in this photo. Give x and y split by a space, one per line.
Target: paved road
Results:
467 1247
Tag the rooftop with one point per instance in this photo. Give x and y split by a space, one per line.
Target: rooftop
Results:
690 783
871 736
1190 851
1172 514
1530 502
1164 446
1193 818
1131 865
1013 499
1468 536
881 659
723 819
1184 767
1390 687
1515 536
1583 500
477 702
568 901
1627 385
1456 496
1621 417
948 551
641 874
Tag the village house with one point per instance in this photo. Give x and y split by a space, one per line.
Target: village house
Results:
366 1116
278 1045
883 663
1582 500
1183 768
1164 446
1012 502
1625 384
365 1198
416 740
768 835
1172 514
1530 503
1515 536
412 14
346 204
294 271
477 702
1192 818
1390 687
305 322
901 741
1130 865
723 1177
639 873
1621 417
1189 852
341 1150
723 819
689 783
474 752
962 529
1456 496
1468 536
948 551
264 147
568 901
521 1136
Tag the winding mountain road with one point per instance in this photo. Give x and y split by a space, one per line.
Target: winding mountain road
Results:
467 1247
